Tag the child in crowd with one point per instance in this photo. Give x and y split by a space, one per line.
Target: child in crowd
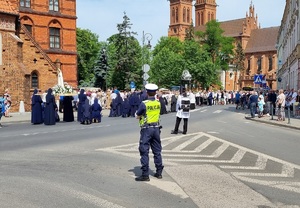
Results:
260 104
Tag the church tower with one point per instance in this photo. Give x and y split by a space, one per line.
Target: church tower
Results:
180 17
205 10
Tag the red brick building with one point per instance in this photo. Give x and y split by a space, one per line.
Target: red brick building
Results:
258 43
37 37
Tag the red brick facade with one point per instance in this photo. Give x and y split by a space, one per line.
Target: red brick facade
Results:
29 60
258 44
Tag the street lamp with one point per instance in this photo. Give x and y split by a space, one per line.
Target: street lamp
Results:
148 37
185 77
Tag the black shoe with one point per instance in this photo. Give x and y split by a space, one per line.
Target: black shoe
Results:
174 132
159 176
183 132
142 178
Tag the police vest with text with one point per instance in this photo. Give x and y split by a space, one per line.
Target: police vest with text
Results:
152 113
185 104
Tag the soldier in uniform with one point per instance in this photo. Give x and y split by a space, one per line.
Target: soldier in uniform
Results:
148 114
183 112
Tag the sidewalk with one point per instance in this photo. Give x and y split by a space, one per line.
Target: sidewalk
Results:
26 117
293 123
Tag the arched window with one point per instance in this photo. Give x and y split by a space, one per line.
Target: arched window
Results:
173 15
259 65
198 19
270 63
212 16
54 38
176 14
184 14
188 15
34 81
248 68
202 18
208 16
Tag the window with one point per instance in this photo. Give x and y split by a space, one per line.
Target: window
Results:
34 81
188 15
54 37
53 5
29 28
173 15
270 63
202 18
176 13
198 18
248 68
25 3
184 14
259 65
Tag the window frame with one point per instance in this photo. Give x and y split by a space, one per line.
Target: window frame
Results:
25 3
54 5
34 84
54 38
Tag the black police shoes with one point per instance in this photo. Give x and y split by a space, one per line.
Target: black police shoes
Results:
142 178
174 132
159 176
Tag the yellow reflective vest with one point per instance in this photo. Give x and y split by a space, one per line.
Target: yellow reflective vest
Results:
152 112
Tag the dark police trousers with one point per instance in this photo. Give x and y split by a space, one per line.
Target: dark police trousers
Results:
185 124
150 137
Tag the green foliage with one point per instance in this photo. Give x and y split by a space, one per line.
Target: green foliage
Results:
88 48
126 58
239 57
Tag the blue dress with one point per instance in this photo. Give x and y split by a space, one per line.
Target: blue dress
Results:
36 108
81 100
50 109
96 111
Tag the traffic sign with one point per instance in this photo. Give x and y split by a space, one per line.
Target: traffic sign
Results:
146 76
258 79
146 68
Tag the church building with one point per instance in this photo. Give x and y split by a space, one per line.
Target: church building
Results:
258 43
37 39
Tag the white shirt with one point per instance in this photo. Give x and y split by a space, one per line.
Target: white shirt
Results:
180 113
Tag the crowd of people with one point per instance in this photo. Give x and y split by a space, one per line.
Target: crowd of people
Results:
88 104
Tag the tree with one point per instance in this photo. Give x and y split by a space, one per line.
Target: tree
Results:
88 49
219 47
239 59
127 56
101 69
167 63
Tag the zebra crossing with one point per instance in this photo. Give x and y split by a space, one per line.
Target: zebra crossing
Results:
245 164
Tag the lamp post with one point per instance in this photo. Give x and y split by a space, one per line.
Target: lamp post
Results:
104 59
145 67
185 77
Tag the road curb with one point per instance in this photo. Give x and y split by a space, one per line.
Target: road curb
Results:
273 123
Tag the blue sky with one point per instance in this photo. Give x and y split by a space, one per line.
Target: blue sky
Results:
152 16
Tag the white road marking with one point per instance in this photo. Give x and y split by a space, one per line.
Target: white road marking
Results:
217 111
172 158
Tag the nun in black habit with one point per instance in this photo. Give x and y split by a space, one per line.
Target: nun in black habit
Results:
96 111
36 108
163 108
134 102
68 115
173 103
81 100
50 109
86 113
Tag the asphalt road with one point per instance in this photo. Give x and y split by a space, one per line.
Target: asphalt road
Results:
223 161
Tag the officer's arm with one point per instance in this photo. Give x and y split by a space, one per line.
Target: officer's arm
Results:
141 110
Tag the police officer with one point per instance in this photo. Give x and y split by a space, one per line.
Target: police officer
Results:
183 112
148 114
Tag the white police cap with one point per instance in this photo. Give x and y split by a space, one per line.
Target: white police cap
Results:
151 87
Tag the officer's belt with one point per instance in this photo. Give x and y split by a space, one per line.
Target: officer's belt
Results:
149 125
